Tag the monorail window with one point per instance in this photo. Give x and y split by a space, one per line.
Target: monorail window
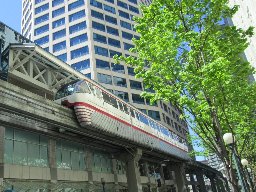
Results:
110 100
91 87
83 87
65 90
143 119
165 131
98 92
126 110
121 106
132 113
151 123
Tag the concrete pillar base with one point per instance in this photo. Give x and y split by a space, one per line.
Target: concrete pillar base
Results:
180 176
132 173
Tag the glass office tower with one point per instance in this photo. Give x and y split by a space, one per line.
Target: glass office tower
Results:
86 34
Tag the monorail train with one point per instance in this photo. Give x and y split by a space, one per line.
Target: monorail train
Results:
96 107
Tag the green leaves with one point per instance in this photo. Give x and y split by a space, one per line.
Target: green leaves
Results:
195 62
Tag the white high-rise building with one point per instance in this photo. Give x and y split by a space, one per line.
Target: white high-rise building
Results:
86 35
244 18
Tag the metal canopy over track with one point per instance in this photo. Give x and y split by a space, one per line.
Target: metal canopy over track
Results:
37 67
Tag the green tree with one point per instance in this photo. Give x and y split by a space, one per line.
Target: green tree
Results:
190 58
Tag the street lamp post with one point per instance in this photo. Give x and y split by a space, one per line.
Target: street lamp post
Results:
249 171
245 163
229 140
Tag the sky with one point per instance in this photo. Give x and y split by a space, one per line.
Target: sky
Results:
10 13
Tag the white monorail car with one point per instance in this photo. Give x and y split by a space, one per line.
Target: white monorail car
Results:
96 107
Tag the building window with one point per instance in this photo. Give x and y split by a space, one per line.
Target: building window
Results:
58 12
134 9
151 104
111 19
96 4
122 4
57 2
168 120
127 35
136 37
110 1
42 8
131 71
25 148
59 34
122 95
112 31
133 1
38 1
103 78
123 14
98 26
137 99
42 40
99 38
97 14
114 42
101 51
118 81
63 57
76 15
102 163
58 23
41 30
102 64
88 75
75 5
109 9
128 46
70 155
113 53
59 46
125 25
81 65
136 85
117 68
79 52
41 19
77 27
154 114
78 39
143 111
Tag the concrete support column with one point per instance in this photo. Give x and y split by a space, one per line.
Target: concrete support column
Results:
133 173
200 179
52 160
163 187
180 176
114 165
89 165
2 134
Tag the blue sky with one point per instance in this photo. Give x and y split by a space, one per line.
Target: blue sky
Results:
10 13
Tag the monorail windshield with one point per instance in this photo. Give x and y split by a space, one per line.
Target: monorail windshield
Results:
66 90
83 86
